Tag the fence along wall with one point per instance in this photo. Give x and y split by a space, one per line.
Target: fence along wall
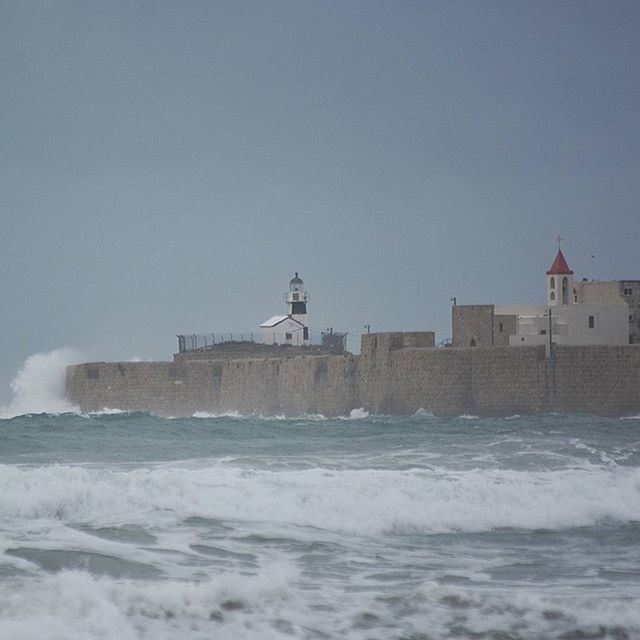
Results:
396 374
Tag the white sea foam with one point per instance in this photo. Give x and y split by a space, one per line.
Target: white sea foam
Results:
38 387
107 411
308 417
76 606
364 501
207 415
356 414
269 604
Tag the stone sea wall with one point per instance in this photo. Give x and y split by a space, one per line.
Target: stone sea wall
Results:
396 373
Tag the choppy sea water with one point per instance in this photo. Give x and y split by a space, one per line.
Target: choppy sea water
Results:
131 526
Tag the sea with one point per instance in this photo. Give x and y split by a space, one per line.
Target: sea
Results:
128 525
124 526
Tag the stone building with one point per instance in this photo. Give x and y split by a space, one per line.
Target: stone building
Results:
584 313
617 292
481 325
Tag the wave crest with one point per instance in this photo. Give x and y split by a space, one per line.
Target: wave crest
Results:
39 386
364 501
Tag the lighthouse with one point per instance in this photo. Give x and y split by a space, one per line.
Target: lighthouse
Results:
296 299
292 328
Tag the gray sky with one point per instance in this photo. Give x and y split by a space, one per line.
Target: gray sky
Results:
165 167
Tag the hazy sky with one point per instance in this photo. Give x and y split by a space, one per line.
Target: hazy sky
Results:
165 167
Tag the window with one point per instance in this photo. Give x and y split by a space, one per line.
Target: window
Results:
501 327
543 332
305 333
473 342
592 322
565 290
288 336
627 291
296 297
553 295
632 317
552 283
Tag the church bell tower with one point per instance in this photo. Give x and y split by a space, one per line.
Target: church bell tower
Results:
560 289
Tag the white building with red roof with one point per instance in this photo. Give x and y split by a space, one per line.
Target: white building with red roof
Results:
567 318
566 321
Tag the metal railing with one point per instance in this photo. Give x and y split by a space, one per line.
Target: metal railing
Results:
330 341
193 341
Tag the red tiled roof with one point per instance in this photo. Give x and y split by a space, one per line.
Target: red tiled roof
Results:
559 266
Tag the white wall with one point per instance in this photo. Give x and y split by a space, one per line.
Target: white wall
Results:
570 325
278 334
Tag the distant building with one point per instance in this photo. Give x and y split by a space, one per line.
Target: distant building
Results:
292 328
614 291
575 314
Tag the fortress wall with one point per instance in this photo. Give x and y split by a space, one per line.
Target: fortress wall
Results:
601 380
596 379
131 386
485 381
396 376
269 386
388 377
436 380
291 386
508 380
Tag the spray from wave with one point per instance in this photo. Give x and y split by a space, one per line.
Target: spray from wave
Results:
38 387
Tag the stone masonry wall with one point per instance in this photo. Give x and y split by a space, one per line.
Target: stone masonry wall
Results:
394 374
503 327
269 386
472 325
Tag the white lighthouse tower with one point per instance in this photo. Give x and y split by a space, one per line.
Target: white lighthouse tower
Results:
294 327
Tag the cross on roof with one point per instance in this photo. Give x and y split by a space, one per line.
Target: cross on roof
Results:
558 240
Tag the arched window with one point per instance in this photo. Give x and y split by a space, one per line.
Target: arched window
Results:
565 290
473 342
553 295
552 282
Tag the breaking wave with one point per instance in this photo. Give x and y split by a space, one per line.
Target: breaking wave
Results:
38 387
356 501
269 605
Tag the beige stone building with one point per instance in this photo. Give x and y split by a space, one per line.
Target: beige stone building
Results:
576 313
614 291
